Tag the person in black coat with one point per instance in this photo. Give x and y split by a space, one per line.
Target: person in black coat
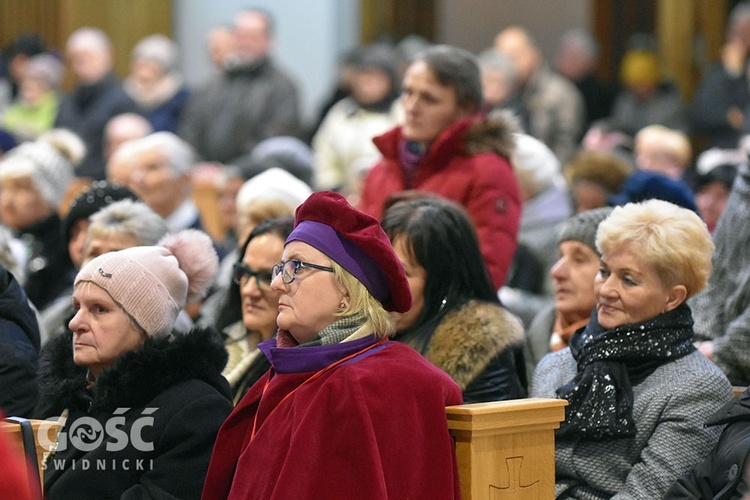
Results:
140 406
19 349
723 474
457 321
97 97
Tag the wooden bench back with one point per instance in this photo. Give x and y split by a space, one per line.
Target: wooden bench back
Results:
45 434
506 449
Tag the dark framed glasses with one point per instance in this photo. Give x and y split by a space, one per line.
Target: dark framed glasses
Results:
241 273
288 269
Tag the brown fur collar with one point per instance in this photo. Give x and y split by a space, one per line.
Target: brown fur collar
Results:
467 339
493 133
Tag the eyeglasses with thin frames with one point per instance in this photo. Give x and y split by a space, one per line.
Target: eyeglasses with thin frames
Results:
241 273
288 269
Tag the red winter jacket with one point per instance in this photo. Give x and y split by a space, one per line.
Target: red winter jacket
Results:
467 163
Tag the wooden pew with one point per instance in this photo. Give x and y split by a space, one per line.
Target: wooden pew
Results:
45 434
737 390
506 449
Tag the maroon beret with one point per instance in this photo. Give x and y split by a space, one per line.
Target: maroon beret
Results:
356 242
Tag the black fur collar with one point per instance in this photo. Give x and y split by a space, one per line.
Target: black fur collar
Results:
138 376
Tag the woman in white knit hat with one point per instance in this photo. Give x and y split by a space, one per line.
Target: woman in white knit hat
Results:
33 179
140 406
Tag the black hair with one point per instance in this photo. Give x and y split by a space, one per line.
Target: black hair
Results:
441 238
231 309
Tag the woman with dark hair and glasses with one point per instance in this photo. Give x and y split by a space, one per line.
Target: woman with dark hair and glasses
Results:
343 412
248 315
456 321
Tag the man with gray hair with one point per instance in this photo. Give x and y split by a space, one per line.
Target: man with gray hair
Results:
157 168
251 101
97 97
555 105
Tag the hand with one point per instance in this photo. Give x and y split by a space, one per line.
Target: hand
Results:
735 117
707 348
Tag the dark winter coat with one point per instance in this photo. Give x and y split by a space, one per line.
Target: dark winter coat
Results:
468 164
19 347
239 109
86 110
48 269
480 347
168 395
722 476
719 91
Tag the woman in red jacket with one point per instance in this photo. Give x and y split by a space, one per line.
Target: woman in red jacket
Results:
446 147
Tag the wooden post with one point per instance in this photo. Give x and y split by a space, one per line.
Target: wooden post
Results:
506 449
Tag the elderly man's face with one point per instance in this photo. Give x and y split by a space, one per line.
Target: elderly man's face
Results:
88 62
251 37
516 46
154 180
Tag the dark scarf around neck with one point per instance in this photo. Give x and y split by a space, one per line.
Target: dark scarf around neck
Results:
600 396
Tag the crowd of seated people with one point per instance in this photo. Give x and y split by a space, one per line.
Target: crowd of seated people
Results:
482 227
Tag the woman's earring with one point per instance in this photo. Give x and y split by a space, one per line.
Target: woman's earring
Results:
342 306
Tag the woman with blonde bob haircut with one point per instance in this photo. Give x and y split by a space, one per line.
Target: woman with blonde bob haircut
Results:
638 391
674 240
343 412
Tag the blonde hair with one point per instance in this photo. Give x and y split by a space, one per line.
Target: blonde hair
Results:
671 142
361 300
672 239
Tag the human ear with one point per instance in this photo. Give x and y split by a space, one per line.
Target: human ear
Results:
677 295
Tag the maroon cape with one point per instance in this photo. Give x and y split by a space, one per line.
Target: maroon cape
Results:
372 427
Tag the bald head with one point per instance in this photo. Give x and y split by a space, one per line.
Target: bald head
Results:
516 43
252 34
123 128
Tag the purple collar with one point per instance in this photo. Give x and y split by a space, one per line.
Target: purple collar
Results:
311 359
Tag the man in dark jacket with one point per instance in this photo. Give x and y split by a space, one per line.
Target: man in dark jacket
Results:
251 101
97 97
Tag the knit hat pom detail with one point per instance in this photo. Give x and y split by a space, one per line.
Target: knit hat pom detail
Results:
197 258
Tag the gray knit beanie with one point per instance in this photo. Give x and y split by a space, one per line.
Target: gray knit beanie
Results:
582 227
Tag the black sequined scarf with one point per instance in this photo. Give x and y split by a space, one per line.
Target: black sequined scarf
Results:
600 397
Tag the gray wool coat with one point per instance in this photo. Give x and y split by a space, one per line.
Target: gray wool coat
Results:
670 407
722 310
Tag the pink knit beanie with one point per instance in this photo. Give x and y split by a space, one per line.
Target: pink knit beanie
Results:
153 283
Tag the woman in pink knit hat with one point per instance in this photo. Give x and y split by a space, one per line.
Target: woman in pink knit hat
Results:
140 406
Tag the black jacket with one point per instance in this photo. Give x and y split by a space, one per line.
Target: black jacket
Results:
146 429
19 347
48 270
480 345
86 110
722 475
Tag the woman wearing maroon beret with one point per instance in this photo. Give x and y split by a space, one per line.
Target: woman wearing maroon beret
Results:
343 412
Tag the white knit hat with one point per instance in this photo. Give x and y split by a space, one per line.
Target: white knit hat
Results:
536 166
274 184
152 284
48 168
